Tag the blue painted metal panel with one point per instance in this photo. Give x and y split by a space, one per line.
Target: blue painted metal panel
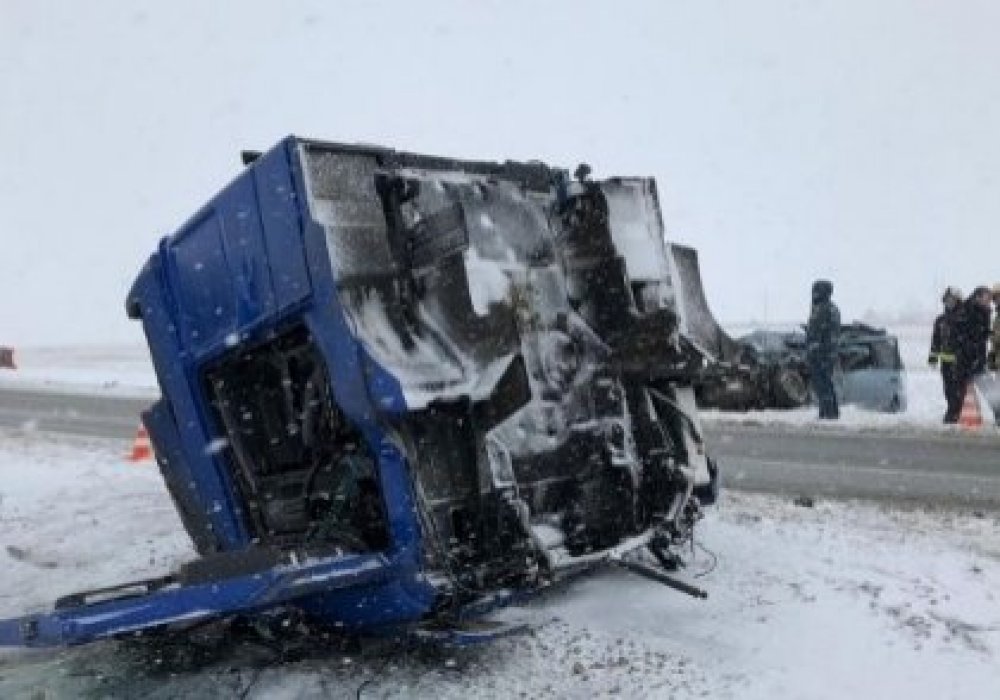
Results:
370 575
304 287
199 277
210 480
185 485
281 219
246 254
238 266
352 374
383 387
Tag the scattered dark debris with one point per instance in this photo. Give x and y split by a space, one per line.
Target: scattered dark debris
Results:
804 501
24 555
238 642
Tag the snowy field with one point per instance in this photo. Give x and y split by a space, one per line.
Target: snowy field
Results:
840 600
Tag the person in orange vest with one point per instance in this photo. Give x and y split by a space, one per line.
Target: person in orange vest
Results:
943 355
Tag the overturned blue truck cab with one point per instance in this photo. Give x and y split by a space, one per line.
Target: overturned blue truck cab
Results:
398 390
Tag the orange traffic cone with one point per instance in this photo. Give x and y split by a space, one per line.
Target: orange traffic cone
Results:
970 417
142 448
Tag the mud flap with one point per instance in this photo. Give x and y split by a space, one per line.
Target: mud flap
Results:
697 321
161 603
708 493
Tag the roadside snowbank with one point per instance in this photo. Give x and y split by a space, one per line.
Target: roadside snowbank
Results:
835 601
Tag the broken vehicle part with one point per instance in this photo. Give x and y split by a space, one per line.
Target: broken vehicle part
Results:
869 370
398 390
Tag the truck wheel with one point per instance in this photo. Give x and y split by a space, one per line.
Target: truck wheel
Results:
790 388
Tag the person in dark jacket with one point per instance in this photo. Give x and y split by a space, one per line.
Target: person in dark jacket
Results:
973 334
822 334
943 352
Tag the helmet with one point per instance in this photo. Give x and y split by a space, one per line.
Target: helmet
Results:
996 289
822 290
952 293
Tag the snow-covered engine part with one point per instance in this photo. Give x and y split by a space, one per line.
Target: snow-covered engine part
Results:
530 322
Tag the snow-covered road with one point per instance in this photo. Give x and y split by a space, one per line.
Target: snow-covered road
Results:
835 601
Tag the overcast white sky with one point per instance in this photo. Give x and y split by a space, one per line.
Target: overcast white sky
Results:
848 139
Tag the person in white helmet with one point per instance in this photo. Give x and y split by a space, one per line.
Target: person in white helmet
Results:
943 352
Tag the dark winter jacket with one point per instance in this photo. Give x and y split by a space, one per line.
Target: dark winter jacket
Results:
823 329
943 339
971 337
